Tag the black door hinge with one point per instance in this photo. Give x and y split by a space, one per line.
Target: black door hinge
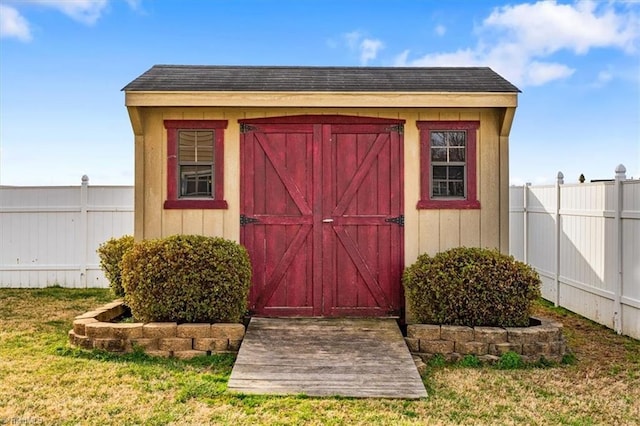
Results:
244 220
398 128
245 128
397 220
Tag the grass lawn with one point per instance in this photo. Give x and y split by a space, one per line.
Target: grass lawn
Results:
44 381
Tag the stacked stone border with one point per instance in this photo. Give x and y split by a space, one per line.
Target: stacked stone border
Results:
487 343
96 330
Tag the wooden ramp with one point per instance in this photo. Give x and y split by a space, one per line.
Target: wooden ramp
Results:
325 357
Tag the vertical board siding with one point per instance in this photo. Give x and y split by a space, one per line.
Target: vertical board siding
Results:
588 266
480 227
439 230
42 240
489 180
470 228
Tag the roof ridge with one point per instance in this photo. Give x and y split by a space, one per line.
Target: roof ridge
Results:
316 67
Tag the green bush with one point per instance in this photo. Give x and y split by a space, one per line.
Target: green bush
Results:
471 286
187 278
110 253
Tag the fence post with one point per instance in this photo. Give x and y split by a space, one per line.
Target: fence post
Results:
84 230
617 244
559 181
525 222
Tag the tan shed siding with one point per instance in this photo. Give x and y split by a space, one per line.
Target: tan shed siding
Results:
449 229
192 222
470 219
470 228
227 222
152 220
171 222
411 183
489 180
154 174
139 193
427 231
504 194
440 230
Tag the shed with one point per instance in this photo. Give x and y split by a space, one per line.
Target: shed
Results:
333 178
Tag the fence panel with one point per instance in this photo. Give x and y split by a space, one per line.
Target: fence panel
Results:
630 217
584 241
49 235
517 208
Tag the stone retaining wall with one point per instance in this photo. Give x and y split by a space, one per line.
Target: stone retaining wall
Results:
94 330
487 343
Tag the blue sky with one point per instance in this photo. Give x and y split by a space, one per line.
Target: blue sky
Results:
63 63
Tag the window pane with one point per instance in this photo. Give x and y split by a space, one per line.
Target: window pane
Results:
204 154
439 188
187 145
456 154
456 138
439 173
196 146
456 189
448 156
438 139
196 181
448 181
204 150
456 173
438 154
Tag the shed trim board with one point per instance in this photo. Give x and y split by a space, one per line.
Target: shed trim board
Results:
270 113
322 99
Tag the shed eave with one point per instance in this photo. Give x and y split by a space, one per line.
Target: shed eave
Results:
320 99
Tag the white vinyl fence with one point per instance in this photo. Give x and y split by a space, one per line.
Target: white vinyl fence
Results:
584 241
49 235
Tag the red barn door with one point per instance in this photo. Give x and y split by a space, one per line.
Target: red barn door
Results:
321 204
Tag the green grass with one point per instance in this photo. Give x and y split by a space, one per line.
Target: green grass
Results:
44 380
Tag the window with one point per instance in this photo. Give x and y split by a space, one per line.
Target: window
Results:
448 165
195 153
195 162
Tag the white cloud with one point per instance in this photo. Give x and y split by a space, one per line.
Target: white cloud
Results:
539 73
604 76
465 57
546 26
85 11
13 24
440 30
367 48
401 60
517 41
353 39
134 4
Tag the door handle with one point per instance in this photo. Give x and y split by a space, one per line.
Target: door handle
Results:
327 220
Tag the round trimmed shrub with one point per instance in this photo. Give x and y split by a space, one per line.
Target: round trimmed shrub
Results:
111 253
187 278
472 287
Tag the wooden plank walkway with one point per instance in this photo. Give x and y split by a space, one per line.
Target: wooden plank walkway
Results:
325 357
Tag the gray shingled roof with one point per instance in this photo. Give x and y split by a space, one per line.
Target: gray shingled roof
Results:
319 79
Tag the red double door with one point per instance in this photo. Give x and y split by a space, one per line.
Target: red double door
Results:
322 215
